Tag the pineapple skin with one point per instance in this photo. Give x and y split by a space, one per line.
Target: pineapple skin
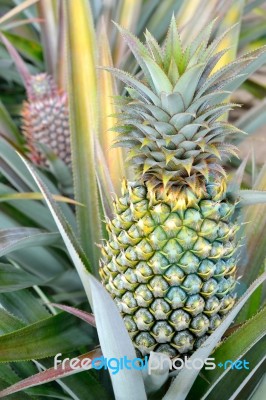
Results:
45 119
170 267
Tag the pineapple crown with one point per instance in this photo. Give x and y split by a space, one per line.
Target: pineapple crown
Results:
169 121
40 86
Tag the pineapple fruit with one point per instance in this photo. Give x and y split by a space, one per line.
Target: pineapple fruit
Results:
45 119
170 260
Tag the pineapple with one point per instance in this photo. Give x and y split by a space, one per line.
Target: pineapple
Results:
170 260
45 119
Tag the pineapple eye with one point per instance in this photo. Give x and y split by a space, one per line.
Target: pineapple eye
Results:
141 224
158 209
170 224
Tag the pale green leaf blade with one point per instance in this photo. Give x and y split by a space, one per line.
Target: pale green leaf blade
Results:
250 197
188 82
235 182
84 121
160 80
115 342
129 80
36 196
18 238
113 157
252 120
253 254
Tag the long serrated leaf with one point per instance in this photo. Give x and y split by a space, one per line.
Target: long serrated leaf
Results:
9 322
7 126
105 183
238 380
85 316
57 334
36 196
50 374
18 238
24 306
186 377
128 384
259 56
84 121
32 210
129 80
235 182
12 279
233 348
107 90
74 387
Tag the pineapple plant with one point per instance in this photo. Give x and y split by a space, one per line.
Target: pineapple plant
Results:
170 261
45 119
44 113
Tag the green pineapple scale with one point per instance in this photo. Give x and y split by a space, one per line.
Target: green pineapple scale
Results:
170 260
171 272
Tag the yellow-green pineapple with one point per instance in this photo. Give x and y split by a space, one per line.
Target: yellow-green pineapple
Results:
170 259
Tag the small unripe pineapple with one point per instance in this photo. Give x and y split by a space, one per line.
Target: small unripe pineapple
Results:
170 261
45 119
